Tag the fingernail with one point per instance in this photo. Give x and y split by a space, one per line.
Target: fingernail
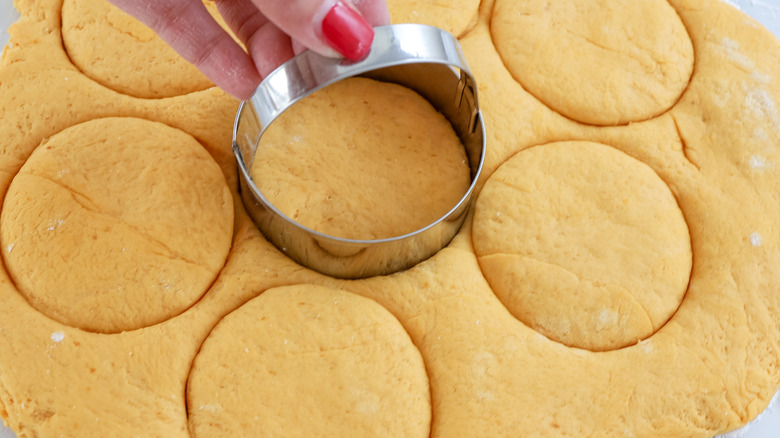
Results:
347 32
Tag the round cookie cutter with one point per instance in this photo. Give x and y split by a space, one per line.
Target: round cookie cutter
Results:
423 58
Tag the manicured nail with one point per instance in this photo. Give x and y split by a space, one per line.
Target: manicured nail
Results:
347 32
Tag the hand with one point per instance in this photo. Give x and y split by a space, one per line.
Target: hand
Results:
273 31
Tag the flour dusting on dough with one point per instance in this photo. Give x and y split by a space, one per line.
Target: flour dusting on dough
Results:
757 162
731 48
485 395
57 337
732 51
761 77
760 104
756 239
760 134
54 224
607 318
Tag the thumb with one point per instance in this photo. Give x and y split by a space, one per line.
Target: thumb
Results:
329 27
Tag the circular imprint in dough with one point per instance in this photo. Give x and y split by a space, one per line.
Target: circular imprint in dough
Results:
116 224
584 244
598 62
362 159
309 361
121 53
454 16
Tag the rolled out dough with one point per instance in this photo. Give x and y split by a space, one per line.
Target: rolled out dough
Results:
641 163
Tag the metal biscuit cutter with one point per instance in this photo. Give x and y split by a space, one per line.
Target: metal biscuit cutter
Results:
423 58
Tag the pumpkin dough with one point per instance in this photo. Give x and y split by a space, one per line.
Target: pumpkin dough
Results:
343 360
585 225
379 161
120 52
454 16
707 153
116 224
596 61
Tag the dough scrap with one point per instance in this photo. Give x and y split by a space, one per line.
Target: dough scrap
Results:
711 368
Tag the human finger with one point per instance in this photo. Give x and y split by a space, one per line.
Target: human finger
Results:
268 45
374 11
329 27
189 29
270 48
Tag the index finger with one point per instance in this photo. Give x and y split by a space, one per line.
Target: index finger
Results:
189 29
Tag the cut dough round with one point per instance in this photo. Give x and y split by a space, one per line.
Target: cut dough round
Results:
123 54
116 224
598 62
309 361
362 159
584 244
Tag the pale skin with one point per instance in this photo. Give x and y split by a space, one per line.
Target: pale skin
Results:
273 31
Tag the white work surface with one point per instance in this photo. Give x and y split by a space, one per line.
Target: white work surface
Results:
767 12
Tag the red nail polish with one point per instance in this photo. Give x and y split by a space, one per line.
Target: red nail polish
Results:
347 32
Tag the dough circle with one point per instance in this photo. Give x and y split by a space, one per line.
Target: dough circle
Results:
121 53
584 244
599 62
116 224
309 361
362 159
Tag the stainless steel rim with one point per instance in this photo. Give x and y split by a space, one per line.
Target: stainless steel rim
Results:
423 58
